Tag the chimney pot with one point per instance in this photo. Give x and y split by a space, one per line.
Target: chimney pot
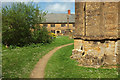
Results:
68 12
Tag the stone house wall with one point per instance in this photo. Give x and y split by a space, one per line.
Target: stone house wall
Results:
59 28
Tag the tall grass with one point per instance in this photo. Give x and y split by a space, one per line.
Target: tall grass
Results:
20 61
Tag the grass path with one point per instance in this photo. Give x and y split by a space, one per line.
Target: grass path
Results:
20 61
60 65
38 71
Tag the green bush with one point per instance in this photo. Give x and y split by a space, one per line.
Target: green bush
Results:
41 35
18 21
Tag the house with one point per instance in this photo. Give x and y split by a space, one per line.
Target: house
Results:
97 33
59 23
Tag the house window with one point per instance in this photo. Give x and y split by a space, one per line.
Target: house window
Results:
73 25
63 31
45 25
52 25
53 31
62 25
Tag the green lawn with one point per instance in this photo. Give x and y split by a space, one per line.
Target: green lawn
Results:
61 66
19 62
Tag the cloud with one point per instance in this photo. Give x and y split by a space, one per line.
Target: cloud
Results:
58 7
52 7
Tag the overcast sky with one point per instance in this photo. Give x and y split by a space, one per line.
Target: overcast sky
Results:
52 6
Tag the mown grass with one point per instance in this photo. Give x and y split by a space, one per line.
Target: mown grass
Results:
61 66
20 61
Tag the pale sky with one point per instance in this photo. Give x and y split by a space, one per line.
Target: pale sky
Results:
52 6
38 0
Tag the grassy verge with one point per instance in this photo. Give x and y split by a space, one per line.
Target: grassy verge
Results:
19 62
61 66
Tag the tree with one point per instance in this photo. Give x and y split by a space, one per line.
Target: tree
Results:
17 22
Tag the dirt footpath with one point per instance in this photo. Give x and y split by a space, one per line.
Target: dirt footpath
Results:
38 71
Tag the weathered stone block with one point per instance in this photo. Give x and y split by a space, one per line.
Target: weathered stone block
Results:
95 52
97 19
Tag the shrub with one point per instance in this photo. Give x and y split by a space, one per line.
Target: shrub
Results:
41 35
17 20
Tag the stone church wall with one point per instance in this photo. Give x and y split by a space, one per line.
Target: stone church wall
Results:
97 33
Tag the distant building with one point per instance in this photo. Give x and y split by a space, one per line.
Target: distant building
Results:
58 23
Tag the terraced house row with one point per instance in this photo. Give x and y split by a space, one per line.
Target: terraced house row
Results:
59 23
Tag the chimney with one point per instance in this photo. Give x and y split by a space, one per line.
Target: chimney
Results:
68 12
68 19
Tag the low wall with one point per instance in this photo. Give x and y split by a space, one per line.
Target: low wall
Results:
95 53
